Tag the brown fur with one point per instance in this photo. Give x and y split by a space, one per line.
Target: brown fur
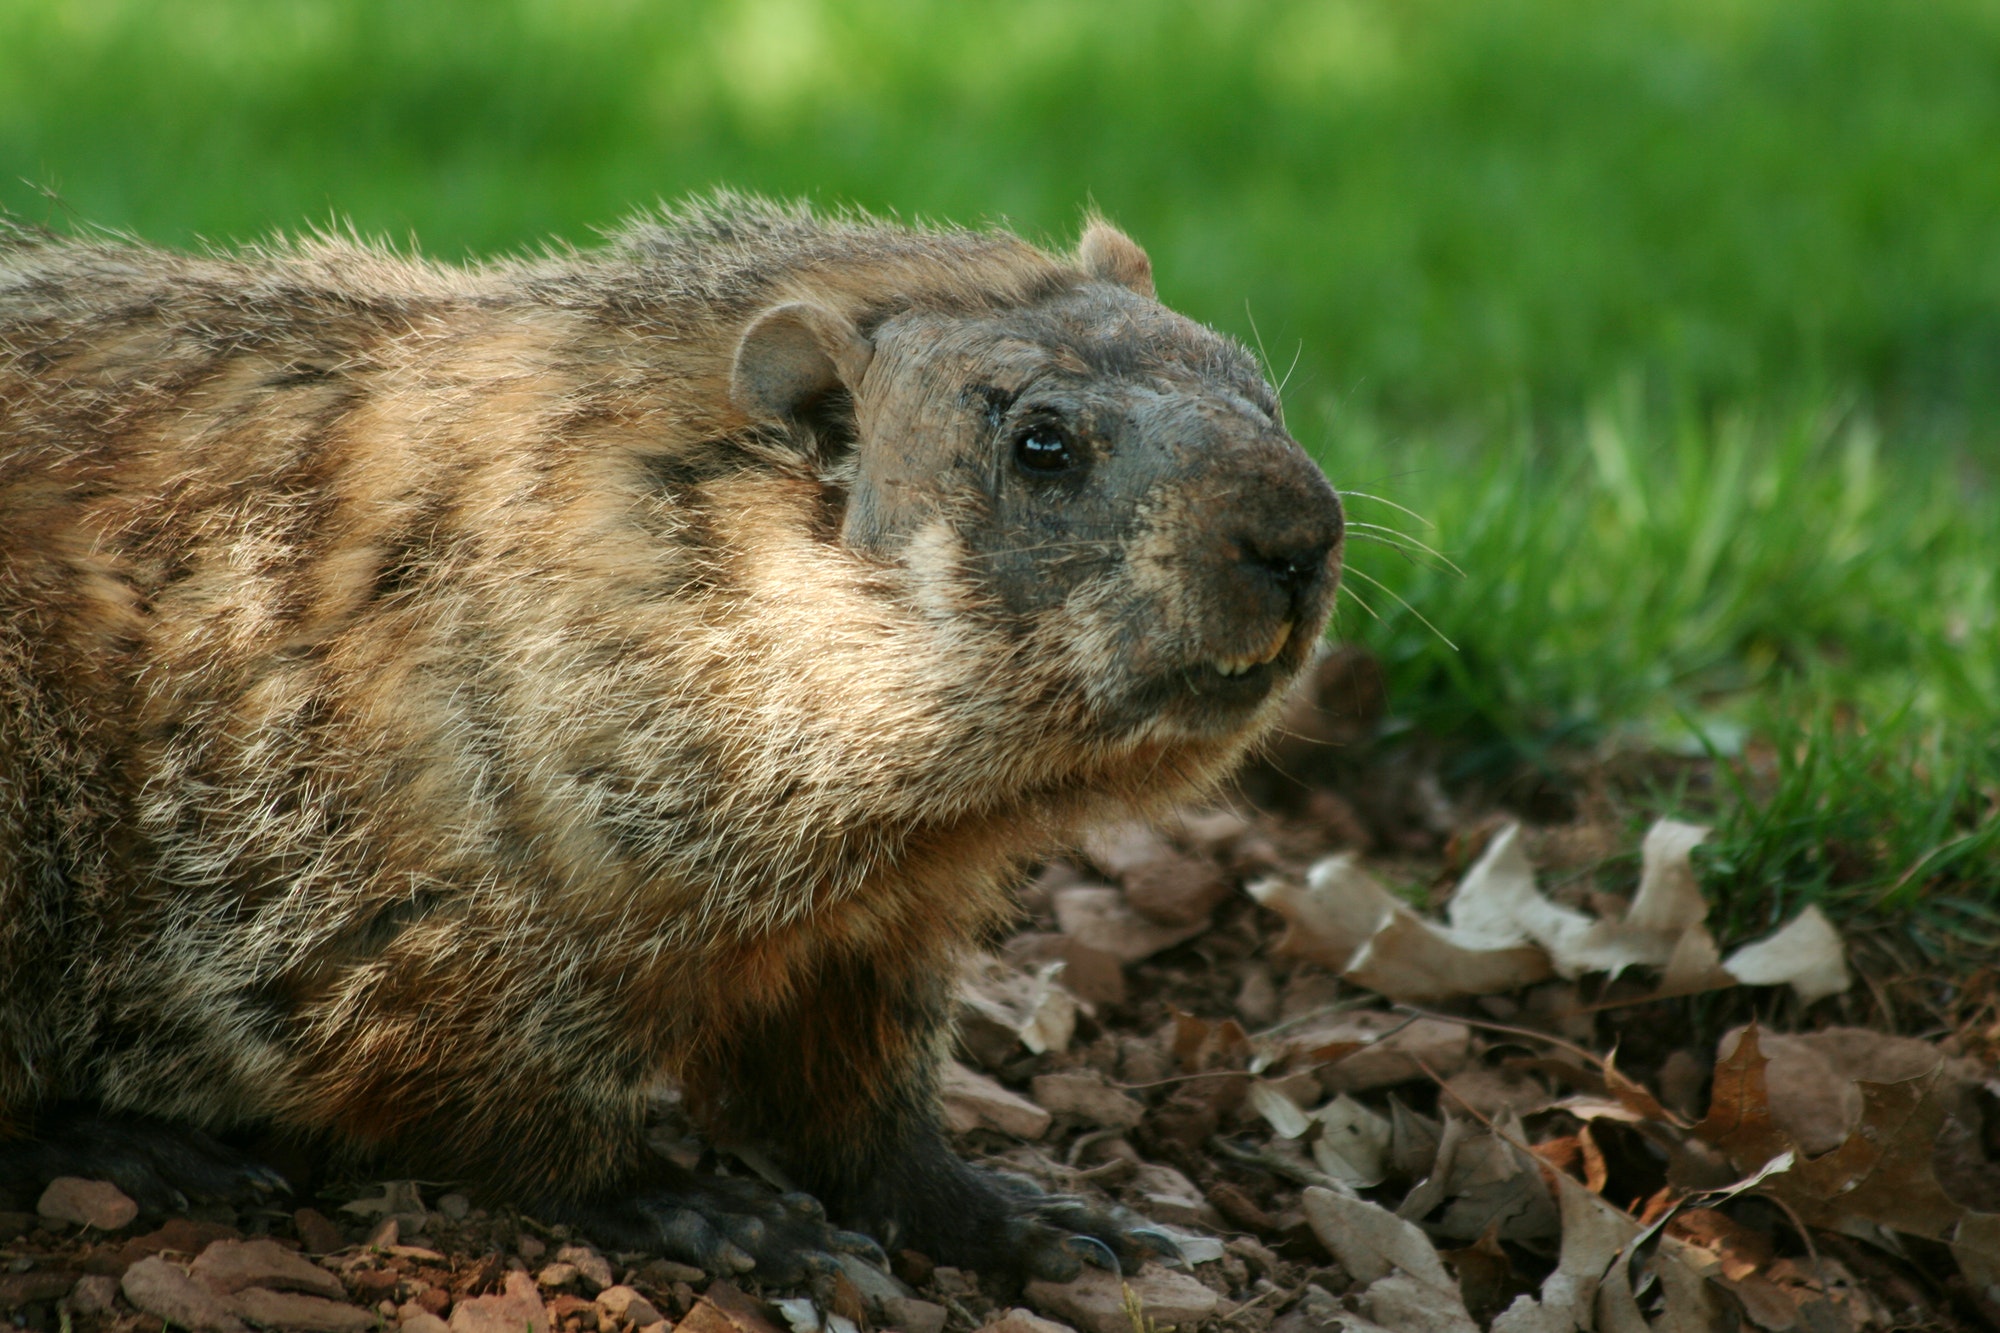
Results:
433 711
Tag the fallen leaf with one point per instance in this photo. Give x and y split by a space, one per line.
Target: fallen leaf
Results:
1405 1286
1353 1144
1807 955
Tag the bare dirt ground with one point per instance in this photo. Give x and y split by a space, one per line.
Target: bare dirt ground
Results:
1340 1130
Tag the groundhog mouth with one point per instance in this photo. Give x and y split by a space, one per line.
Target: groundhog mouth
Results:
1239 666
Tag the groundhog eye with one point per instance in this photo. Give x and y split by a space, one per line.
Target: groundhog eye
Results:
1044 450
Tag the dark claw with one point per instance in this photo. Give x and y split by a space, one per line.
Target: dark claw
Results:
1159 1245
803 1206
1094 1251
819 1264
853 1242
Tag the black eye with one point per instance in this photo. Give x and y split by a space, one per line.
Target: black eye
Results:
1044 450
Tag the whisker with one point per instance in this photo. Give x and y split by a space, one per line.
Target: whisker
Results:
1296 354
1347 591
1403 539
1407 607
1363 495
1408 553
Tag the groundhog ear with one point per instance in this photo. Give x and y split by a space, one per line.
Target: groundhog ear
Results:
793 353
1108 253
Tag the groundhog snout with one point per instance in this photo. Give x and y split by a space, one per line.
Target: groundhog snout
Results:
1277 527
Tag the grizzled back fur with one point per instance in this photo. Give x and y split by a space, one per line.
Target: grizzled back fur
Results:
411 674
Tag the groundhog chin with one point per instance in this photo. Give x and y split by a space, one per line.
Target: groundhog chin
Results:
1211 698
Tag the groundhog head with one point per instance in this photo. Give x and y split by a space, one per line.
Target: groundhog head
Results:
1084 470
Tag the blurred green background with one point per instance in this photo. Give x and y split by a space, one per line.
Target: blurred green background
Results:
1676 324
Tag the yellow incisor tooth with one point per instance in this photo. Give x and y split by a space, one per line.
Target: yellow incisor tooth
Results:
1277 644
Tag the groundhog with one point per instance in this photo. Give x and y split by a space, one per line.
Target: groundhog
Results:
442 707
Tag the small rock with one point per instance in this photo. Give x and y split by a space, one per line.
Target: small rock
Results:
420 1320
317 1231
972 1100
556 1275
1084 1094
592 1266
93 1294
1023 1321
1169 1196
455 1207
666 1272
386 1233
725 1309
89 1203
1177 890
565 1308
1102 919
232 1265
875 1286
164 1291
513 1310
374 1284
914 1316
626 1304
19 1289
296 1313
1095 1302
955 1282
529 1248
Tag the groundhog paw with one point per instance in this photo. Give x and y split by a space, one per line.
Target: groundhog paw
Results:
162 1168
727 1227
1057 1234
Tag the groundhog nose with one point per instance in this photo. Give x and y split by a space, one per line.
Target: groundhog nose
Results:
1293 563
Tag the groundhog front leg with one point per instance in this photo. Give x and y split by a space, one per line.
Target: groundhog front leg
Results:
840 1089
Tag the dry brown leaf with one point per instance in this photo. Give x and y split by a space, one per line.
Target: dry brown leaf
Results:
1404 1285
1353 1144
1502 933
1589 1288
1881 1175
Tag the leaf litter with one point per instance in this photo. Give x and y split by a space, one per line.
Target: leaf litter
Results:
1535 1106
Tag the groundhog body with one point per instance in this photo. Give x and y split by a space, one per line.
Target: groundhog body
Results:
440 706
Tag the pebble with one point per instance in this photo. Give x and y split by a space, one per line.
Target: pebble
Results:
1095 1302
298 1313
18 1289
93 1294
420 1320
164 1291
455 1207
626 1304
874 1285
556 1275
914 1316
1084 1094
1023 1321
513 1310
1166 1194
972 1100
232 1265
592 1266
90 1203
317 1231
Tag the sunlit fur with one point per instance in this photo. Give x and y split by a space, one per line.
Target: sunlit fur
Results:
431 714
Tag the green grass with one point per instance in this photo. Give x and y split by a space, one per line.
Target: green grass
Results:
1677 319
